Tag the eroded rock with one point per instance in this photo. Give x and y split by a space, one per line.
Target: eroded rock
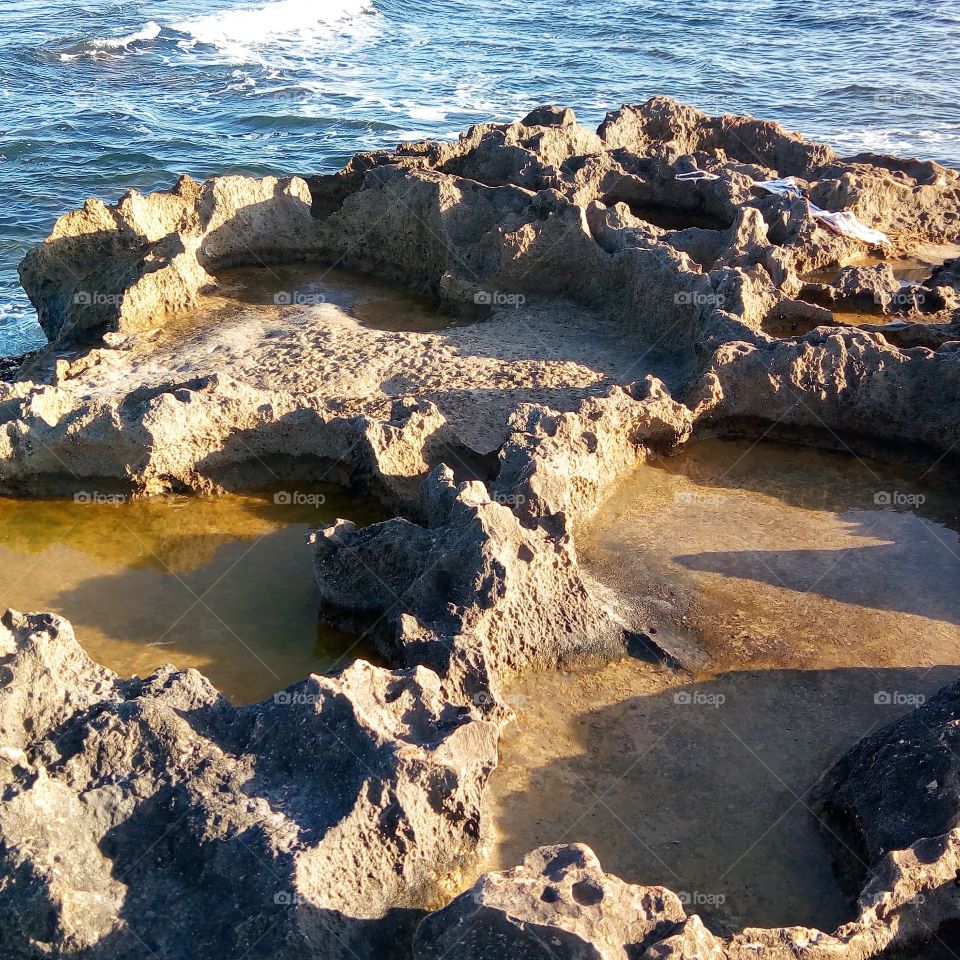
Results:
309 825
557 904
324 822
473 593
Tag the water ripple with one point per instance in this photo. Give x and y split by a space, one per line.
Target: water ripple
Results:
98 96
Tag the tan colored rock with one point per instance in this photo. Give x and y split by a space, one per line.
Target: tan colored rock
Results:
843 387
123 268
557 903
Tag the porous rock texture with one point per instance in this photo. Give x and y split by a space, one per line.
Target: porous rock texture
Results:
558 902
320 824
616 268
152 817
560 905
472 592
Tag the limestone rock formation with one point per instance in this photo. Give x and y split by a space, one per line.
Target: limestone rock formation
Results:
833 385
556 468
695 272
472 593
618 292
121 267
558 903
314 824
190 435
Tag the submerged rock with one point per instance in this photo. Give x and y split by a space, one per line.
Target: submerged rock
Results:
894 787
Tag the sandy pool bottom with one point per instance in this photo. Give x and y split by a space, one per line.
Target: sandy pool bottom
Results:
814 598
222 584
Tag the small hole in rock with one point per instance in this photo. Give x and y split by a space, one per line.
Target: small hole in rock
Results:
587 893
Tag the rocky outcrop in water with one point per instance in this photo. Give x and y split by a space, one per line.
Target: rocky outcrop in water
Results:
472 593
692 272
619 272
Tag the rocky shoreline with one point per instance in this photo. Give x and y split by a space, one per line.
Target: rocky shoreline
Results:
630 280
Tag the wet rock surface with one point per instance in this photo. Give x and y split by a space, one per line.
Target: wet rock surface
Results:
897 785
629 281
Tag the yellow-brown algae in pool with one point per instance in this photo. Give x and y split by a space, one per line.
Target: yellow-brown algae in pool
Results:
822 593
222 584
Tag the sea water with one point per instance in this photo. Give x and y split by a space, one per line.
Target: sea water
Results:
100 96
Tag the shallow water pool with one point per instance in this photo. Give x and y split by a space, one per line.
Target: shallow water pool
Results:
369 300
813 597
222 584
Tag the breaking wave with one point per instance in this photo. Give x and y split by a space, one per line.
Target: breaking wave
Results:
240 31
108 45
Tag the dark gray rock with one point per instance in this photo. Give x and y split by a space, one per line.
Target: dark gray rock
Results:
895 787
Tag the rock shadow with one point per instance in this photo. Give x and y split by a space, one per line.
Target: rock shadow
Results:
702 787
922 561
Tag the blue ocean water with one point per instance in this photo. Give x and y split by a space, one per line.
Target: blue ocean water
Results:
100 95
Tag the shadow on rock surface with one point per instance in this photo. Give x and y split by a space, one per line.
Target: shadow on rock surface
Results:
704 787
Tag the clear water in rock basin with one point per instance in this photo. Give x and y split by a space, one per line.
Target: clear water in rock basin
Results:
372 302
99 96
222 584
915 268
817 597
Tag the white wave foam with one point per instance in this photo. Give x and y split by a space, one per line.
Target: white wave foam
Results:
894 140
148 32
437 114
245 28
106 46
